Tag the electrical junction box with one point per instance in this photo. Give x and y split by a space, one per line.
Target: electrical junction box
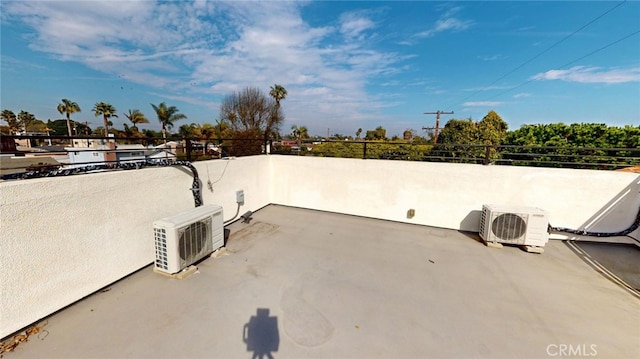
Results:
240 197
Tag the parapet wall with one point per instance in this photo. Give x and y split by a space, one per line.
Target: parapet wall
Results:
63 238
451 195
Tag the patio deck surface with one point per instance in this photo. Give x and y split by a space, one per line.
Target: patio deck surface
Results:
298 283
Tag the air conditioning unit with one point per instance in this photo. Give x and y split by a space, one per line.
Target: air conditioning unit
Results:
525 226
185 238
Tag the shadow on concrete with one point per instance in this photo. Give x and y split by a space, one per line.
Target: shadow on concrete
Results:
471 222
615 216
616 257
261 334
472 235
619 263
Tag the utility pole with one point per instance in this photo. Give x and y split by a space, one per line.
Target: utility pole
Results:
437 128
86 131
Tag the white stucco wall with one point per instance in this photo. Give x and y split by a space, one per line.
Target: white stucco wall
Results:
63 238
452 195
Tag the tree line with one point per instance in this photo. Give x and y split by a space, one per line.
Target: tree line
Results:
247 114
489 140
27 122
254 117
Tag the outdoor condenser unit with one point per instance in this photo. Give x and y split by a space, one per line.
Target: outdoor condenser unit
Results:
185 238
525 226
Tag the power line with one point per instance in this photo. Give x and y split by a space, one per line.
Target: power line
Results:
600 49
571 62
545 50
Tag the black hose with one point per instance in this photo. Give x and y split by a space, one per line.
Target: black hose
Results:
583 232
196 188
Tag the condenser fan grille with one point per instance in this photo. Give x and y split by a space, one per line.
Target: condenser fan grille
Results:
187 237
515 225
193 239
508 226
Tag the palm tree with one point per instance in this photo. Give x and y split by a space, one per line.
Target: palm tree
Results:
299 133
136 117
358 133
107 111
222 128
26 119
12 120
68 107
167 116
278 93
187 130
207 131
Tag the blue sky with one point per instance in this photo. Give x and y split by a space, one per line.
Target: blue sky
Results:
345 65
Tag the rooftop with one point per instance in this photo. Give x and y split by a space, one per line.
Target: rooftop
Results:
300 283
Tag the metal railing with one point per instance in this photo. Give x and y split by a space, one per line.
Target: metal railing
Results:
119 150
537 156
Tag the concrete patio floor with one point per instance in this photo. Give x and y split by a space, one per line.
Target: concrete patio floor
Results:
298 283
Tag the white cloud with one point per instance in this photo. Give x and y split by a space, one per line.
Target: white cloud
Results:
482 104
446 22
353 25
587 74
491 57
521 95
200 49
525 28
487 88
12 64
188 99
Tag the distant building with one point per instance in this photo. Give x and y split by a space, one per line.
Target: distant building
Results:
32 142
159 154
171 146
20 164
130 153
8 145
86 156
19 159
112 153
90 142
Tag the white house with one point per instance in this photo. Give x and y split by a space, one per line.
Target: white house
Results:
112 153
